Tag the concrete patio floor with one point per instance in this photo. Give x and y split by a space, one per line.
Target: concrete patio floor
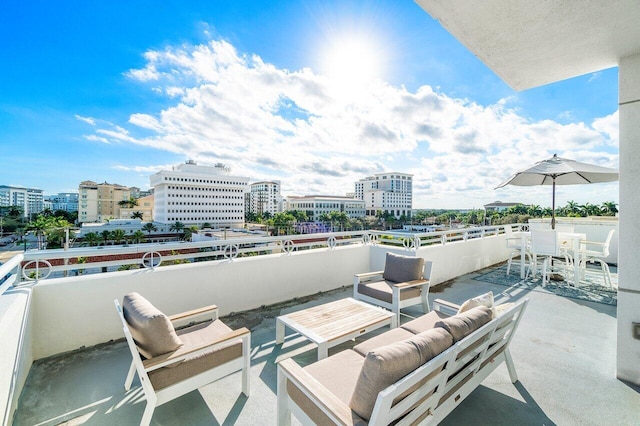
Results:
564 352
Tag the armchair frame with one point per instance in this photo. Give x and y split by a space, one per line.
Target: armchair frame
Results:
396 302
142 367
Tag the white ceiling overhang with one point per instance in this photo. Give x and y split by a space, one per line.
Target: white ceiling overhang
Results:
530 43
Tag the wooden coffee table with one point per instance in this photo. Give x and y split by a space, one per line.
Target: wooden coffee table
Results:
333 323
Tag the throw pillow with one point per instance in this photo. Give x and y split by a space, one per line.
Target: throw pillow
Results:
386 365
484 299
465 323
399 269
151 329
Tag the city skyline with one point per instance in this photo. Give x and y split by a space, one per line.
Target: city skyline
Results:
317 96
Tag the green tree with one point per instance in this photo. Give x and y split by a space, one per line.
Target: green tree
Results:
106 236
118 235
137 237
609 208
42 226
91 238
283 222
177 227
149 227
137 215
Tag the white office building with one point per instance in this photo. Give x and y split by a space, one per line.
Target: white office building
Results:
66 201
390 193
195 195
316 205
264 197
31 200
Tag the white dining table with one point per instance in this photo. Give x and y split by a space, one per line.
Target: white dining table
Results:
573 237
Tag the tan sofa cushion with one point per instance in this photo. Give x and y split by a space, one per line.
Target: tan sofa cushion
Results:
197 335
151 329
338 374
465 323
400 268
424 322
382 290
386 338
388 364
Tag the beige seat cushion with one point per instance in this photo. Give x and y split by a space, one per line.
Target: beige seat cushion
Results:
386 338
382 290
398 268
151 329
424 322
465 323
338 374
388 364
194 336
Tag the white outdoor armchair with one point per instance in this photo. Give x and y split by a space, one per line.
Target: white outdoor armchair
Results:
404 282
171 363
592 251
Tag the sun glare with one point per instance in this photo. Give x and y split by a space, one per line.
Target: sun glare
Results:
352 64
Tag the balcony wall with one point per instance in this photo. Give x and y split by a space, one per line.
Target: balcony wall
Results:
59 315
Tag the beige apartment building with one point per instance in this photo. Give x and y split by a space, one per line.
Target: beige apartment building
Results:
98 202
145 206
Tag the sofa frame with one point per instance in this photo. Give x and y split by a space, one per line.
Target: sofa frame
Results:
454 374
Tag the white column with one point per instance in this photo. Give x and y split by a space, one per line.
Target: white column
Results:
628 354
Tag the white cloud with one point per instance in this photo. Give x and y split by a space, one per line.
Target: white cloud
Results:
297 126
88 120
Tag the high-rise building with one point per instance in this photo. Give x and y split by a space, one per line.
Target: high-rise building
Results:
66 201
264 197
195 195
30 200
390 193
99 202
316 205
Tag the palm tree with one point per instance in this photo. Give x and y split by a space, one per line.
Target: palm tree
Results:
609 208
106 236
188 232
40 226
177 227
91 238
572 208
137 215
118 235
137 237
149 227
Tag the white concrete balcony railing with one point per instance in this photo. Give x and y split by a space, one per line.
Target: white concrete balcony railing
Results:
51 310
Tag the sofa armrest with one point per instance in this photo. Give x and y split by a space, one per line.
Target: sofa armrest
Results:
182 315
326 401
181 354
365 275
409 284
445 307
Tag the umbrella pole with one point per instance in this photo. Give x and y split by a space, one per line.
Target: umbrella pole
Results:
553 205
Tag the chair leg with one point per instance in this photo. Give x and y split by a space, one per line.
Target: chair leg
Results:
424 294
148 413
130 375
284 414
246 369
509 263
510 366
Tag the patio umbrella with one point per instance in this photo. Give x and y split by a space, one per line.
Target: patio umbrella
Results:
560 171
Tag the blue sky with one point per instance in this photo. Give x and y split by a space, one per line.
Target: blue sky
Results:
315 94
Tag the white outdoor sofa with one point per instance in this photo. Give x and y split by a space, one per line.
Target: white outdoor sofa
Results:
386 379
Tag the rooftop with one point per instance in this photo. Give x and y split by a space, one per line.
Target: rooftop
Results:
564 352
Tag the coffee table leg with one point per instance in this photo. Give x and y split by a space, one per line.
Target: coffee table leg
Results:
279 331
323 350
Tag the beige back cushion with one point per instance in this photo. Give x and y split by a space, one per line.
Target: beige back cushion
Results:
465 323
151 329
400 269
484 299
387 364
